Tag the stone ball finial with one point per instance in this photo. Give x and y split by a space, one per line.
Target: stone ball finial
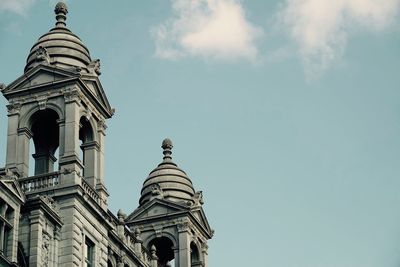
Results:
61 11
121 215
61 7
167 144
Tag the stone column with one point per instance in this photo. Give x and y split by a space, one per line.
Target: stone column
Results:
204 252
100 186
184 244
3 209
44 163
69 163
24 136
90 154
56 240
36 225
176 256
12 135
14 234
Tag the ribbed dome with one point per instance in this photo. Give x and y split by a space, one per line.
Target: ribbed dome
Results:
167 181
59 46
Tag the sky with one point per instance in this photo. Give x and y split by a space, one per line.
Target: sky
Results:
284 113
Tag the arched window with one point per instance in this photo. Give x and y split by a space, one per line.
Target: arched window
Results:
45 135
194 255
86 137
164 251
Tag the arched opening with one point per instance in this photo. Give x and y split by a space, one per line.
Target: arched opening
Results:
86 137
164 251
194 255
45 135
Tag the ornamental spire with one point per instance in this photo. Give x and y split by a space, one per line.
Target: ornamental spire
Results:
167 147
61 11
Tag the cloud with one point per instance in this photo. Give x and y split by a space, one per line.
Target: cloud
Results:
216 29
321 27
19 7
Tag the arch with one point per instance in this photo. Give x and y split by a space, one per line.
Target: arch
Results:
86 132
46 139
163 234
194 254
110 264
164 250
25 120
88 149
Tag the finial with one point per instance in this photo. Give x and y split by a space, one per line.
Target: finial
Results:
61 11
167 146
121 215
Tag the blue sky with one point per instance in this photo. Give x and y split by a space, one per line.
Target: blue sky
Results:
285 113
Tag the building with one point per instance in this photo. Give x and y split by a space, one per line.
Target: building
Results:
60 217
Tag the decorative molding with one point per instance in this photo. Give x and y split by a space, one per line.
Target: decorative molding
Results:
156 192
183 226
72 94
198 198
42 102
25 131
2 86
50 202
42 55
46 240
94 67
101 125
14 108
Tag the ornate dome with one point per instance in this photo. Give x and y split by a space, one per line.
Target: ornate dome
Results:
168 181
59 46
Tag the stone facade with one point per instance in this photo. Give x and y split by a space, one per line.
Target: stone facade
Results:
60 217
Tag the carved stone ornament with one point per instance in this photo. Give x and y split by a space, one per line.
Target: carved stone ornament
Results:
14 107
42 102
2 86
50 202
45 249
198 198
157 192
42 55
72 94
101 124
183 226
88 114
94 67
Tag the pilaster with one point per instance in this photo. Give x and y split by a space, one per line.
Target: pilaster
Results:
36 227
184 244
12 134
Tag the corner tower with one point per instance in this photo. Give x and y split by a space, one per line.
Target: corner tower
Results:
170 216
59 105
58 109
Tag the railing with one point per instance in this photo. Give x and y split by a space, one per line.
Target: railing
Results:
130 241
37 182
90 191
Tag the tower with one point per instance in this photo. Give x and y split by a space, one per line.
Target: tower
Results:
59 105
54 212
170 216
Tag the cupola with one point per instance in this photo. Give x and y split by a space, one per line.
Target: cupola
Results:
59 47
168 181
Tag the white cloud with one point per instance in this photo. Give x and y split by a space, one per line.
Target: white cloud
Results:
19 7
215 29
321 27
